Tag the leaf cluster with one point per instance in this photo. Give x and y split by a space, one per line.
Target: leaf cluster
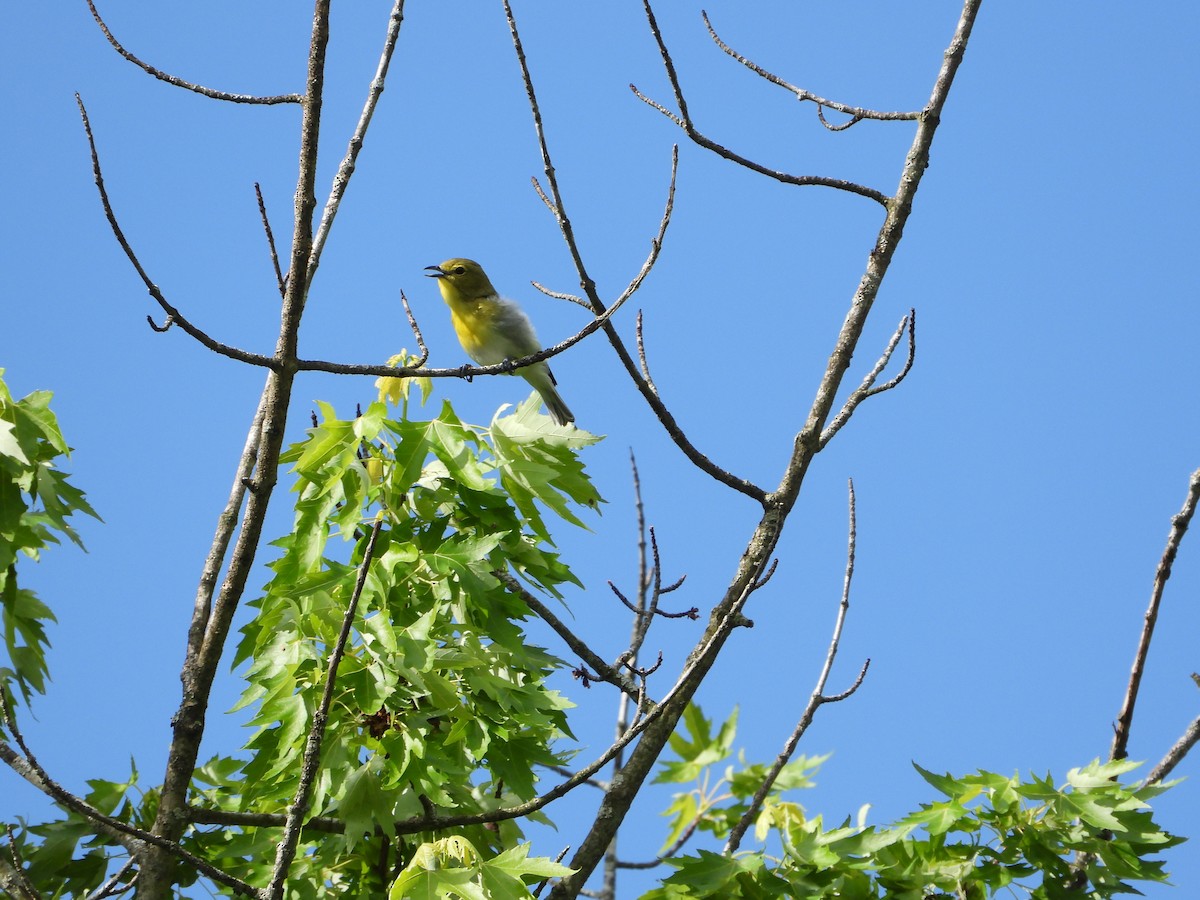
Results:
1090 837
441 703
36 505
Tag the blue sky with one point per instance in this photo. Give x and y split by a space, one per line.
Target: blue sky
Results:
1014 494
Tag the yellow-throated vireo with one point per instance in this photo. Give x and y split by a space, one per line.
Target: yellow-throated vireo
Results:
493 329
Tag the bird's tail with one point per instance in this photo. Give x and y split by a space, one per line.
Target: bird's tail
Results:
543 382
558 410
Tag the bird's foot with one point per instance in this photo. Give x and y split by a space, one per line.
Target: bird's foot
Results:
465 372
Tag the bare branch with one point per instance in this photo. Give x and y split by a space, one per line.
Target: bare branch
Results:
684 121
202 661
605 672
262 211
416 330
868 388
13 878
561 295
109 887
537 891
856 113
657 242
642 361
173 315
1179 526
342 179
285 851
1175 755
762 582
567 773
666 854
129 836
226 526
187 85
815 700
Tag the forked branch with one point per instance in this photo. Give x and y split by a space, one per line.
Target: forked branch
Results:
868 388
817 699
173 315
856 113
684 121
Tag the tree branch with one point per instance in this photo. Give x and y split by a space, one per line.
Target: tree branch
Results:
262 211
174 317
856 113
1179 526
285 851
815 700
578 646
187 85
868 387
684 121
1175 755
342 179
129 836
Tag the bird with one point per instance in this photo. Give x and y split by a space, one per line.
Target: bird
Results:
493 329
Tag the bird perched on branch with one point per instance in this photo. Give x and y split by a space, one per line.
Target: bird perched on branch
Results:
493 329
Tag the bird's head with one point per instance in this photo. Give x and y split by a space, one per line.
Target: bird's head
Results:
461 279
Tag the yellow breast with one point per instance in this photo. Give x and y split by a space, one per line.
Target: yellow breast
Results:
475 324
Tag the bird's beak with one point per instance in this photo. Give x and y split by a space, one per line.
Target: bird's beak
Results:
434 272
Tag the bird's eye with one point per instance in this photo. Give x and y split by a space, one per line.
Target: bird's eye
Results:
459 270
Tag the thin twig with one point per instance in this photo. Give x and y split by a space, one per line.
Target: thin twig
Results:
666 854
537 891
174 316
286 849
605 672
23 884
342 179
868 388
187 85
645 615
108 888
262 211
815 700
590 782
856 113
644 579
684 121
226 526
641 351
416 330
560 295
